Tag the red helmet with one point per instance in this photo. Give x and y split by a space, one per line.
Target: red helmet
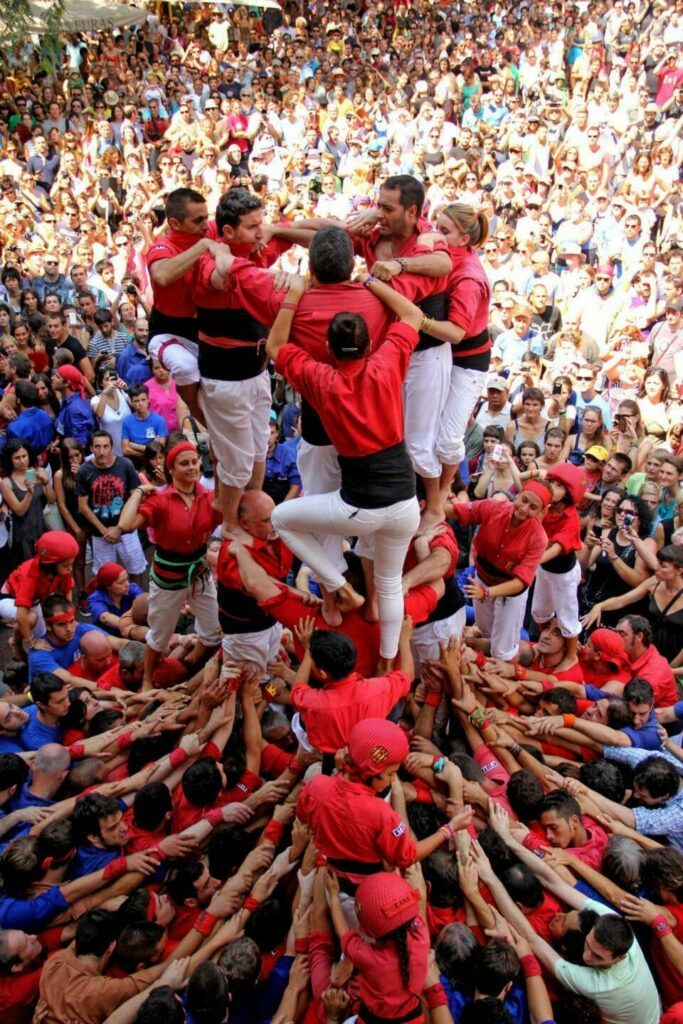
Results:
572 477
57 546
383 902
375 744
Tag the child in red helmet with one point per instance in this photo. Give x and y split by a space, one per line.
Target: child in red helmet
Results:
393 967
354 830
48 572
556 594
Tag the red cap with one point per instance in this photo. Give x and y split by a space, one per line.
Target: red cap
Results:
73 376
56 546
572 477
609 644
383 902
109 573
375 744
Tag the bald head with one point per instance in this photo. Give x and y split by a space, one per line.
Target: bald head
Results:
255 510
96 655
51 759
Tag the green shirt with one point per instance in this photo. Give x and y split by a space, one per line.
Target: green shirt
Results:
626 992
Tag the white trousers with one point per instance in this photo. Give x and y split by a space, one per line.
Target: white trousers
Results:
557 594
237 417
465 389
319 470
127 550
392 528
178 356
501 619
8 613
257 649
425 393
165 607
427 639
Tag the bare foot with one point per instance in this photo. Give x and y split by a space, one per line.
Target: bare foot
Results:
429 519
385 666
332 615
348 599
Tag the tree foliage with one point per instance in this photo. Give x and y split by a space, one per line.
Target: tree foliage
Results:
16 27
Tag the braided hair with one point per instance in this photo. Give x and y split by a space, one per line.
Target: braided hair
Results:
400 937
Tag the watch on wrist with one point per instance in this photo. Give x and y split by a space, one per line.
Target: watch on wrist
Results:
403 263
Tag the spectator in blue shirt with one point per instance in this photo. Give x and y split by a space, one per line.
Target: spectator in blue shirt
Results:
141 427
100 833
32 425
58 649
50 697
282 481
134 365
513 344
50 768
112 597
75 417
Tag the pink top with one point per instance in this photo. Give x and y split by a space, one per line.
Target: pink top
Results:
164 402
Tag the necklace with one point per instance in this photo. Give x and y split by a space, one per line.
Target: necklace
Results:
186 494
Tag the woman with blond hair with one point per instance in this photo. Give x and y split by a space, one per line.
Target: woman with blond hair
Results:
464 230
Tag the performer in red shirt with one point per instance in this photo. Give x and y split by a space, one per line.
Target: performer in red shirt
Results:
183 519
329 714
556 593
250 633
510 545
466 328
48 572
392 966
372 831
173 321
360 404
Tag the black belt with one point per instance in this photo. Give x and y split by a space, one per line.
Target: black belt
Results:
355 867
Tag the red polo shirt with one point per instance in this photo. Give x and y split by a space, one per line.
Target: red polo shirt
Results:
177 527
175 299
330 714
654 667
350 823
29 586
359 402
504 551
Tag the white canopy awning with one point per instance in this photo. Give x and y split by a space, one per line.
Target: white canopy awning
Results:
87 15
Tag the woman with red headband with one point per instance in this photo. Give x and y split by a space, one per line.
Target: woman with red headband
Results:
509 547
183 519
110 595
48 572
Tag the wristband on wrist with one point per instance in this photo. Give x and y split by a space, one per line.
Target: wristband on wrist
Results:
76 751
251 904
520 672
485 592
296 766
205 923
661 927
480 660
515 749
433 699
426 324
569 720
125 740
486 724
273 831
289 305
530 966
370 279
447 830
476 718
403 263
438 764
214 816
435 996
177 757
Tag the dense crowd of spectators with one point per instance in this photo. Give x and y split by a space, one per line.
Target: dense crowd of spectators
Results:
278 819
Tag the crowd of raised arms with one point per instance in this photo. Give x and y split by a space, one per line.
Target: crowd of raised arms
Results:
341 515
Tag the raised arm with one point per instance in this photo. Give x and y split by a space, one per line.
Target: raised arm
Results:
282 325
